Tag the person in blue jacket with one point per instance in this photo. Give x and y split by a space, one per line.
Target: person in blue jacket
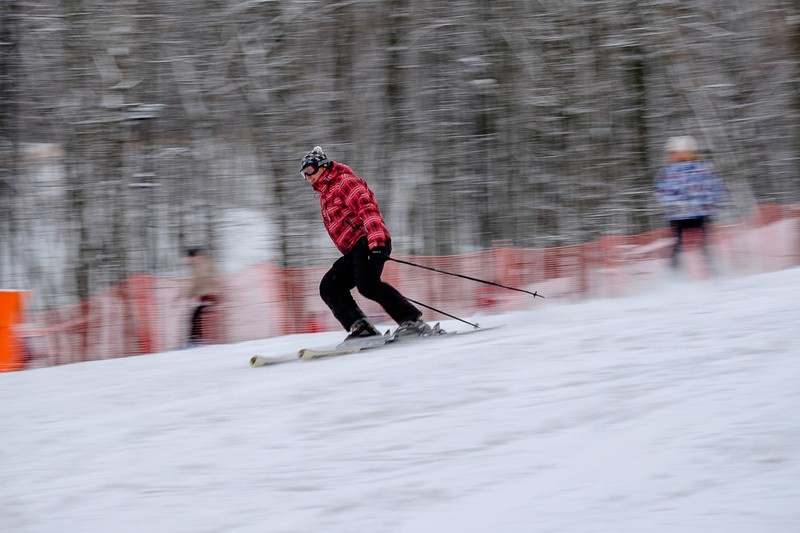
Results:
689 191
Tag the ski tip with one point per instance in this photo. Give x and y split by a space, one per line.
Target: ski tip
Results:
269 360
260 360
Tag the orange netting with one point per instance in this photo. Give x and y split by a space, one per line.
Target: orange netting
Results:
145 314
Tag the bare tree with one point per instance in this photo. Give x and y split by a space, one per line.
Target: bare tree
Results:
538 123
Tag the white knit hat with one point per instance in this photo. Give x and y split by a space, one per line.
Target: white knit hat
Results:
686 143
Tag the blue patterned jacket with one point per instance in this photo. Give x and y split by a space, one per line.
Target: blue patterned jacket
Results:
689 189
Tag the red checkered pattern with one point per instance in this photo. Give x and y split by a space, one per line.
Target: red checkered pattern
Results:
349 209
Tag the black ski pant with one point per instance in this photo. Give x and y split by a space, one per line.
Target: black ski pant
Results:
356 270
678 228
196 331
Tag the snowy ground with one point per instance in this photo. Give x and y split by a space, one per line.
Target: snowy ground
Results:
673 411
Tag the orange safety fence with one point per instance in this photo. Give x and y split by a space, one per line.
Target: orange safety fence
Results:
145 314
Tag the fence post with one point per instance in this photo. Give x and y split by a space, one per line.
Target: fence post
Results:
12 356
142 291
506 268
613 264
793 212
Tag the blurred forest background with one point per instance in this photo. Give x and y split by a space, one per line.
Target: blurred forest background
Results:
131 129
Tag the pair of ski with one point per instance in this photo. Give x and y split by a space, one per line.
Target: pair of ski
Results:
360 345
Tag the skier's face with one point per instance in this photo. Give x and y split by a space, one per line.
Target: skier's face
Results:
679 157
312 174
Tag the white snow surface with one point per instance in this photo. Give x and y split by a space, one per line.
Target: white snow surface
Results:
671 411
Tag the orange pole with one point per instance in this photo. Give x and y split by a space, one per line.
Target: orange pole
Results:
144 302
11 353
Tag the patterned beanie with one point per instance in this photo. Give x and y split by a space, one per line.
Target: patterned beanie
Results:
315 158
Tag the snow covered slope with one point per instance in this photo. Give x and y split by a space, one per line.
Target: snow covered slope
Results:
674 411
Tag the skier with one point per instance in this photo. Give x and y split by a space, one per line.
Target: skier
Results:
203 291
351 216
690 191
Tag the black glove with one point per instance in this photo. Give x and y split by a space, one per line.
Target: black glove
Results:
379 253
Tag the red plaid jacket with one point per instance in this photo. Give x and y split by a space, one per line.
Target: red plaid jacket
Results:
349 209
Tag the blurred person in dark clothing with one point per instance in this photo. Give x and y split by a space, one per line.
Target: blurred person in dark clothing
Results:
689 191
203 290
354 223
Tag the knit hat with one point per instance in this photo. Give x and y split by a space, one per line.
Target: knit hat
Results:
315 158
687 143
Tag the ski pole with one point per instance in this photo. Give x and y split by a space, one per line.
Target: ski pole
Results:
441 312
535 294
